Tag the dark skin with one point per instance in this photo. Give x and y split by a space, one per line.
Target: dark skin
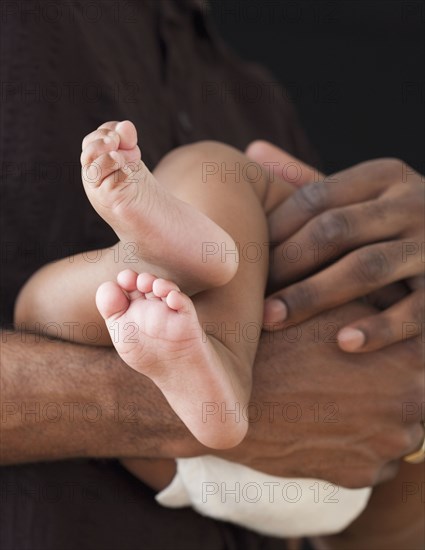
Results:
394 517
350 235
354 451
346 395
147 427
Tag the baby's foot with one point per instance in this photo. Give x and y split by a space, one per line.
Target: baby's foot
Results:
165 231
155 329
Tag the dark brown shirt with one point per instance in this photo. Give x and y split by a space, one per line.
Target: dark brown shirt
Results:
66 67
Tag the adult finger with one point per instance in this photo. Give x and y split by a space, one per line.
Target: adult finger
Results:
280 165
334 233
357 274
403 320
360 183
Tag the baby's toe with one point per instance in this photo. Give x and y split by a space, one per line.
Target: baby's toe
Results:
97 148
145 282
95 173
132 156
98 134
111 300
127 280
162 287
128 134
125 130
179 302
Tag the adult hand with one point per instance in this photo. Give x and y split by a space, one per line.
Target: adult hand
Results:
321 413
345 236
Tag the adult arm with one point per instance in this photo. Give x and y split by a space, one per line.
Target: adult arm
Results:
82 383
62 400
353 418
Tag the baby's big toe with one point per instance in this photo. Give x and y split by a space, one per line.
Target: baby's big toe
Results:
111 301
132 157
127 280
128 134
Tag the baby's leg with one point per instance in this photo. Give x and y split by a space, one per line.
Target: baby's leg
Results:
59 300
159 233
166 232
212 384
200 358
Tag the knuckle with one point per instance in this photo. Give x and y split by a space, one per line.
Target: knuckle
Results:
389 168
332 226
392 165
417 307
302 296
380 209
360 478
311 198
379 331
371 266
397 444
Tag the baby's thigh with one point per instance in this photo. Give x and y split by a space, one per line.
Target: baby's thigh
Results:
222 183
217 179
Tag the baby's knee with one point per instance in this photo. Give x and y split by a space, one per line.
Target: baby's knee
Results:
209 160
214 153
196 154
211 149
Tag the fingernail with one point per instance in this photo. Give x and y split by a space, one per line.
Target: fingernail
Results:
351 338
275 311
107 140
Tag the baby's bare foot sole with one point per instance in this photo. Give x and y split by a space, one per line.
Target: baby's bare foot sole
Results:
155 329
166 231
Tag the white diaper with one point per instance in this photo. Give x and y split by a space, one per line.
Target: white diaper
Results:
275 506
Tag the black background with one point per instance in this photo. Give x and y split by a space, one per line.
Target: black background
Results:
354 68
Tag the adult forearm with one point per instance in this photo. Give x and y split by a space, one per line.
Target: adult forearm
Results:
61 400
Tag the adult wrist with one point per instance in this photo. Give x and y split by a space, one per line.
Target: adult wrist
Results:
144 425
